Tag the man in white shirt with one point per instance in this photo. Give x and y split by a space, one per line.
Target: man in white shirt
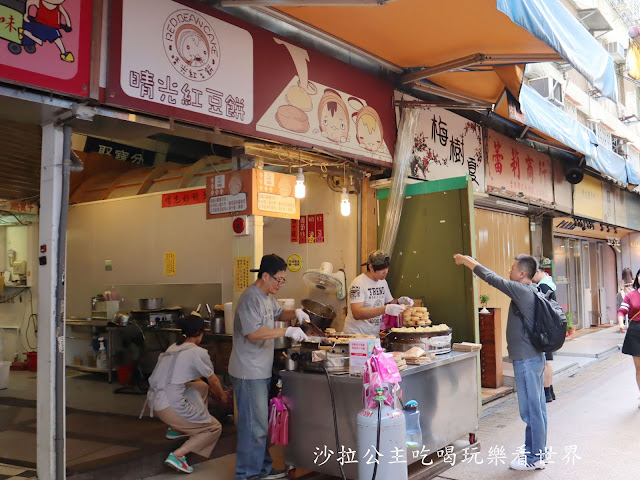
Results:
370 297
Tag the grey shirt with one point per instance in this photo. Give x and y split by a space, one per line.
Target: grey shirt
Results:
522 297
253 359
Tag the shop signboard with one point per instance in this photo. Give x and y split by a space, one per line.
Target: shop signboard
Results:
608 204
447 145
197 64
620 204
251 192
562 193
516 169
587 198
184 198
47 44
633 211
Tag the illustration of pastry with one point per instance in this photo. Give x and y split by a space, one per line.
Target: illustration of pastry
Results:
235 184
292 118
299 98
333 117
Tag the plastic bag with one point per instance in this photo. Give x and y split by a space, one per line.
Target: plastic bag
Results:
278 421
381 371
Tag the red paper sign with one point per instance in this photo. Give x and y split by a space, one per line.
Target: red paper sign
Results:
320 228
294 230
180 199
303 229
311 228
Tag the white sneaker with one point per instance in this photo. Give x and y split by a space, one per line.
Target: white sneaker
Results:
518 464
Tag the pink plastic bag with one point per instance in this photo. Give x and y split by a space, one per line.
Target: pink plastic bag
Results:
388 322
278 421
381 371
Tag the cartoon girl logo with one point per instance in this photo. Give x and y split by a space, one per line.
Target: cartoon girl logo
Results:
369 132
191 45
333 117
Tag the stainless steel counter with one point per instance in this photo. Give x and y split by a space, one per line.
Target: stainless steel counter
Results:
445 389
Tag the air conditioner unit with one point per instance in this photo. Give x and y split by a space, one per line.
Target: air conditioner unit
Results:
616 50
549 88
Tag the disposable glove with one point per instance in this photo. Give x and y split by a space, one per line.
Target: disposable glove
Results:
296 334
405 301
302 316
394 309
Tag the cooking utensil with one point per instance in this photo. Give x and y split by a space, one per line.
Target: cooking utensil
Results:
282 342
122 319
321 315
217 325
311 330
155 303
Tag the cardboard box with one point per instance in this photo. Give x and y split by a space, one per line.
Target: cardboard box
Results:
360 350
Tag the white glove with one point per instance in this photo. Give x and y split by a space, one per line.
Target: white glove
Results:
302 316
394 309
296 333
405 301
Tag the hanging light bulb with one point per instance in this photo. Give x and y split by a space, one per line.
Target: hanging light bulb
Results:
300 189
345 206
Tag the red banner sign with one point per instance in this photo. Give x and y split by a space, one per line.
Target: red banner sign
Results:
48 44
180 199
311 228
302 236
320 228
203 66
294 230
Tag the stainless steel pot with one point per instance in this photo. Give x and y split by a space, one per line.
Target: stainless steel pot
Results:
217 325
321 315
151 303
282 342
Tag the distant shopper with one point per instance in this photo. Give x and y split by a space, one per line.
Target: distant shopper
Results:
528 363
545 285
631 306
178 396
625 286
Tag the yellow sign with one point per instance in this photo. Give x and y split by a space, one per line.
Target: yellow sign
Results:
587 198
294 262
241 273
169 263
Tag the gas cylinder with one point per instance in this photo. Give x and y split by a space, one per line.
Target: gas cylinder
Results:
392 458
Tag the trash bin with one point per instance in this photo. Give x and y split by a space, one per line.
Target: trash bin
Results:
32 361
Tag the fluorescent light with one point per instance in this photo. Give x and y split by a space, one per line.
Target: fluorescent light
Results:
512 205
345 206
300 189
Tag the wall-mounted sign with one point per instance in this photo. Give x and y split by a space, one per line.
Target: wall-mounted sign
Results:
252 192
302 235
294 230
170 263
294 262
241 273
562 193
119 151
197 64
446 146
587 198
187 197
47 44
516 169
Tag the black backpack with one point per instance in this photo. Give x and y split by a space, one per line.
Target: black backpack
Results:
549 327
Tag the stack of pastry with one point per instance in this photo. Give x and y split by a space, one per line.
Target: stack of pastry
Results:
400 361
415 317
417 356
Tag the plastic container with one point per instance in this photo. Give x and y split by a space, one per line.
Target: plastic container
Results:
4 374
32 361
124 374
413 430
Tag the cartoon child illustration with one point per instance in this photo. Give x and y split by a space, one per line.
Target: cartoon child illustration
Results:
333 117
46 25
192 46
369 131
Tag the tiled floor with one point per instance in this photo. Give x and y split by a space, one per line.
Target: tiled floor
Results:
10 472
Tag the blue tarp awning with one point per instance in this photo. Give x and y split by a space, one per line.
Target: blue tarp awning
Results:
548 119
552 23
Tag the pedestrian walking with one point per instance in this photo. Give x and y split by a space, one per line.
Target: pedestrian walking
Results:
528 363
545 285
630 307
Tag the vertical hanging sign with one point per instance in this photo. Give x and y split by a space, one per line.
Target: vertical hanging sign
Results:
320 228
302 236
294 230
311 228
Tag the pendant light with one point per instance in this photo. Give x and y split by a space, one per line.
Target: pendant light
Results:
345 206
300 189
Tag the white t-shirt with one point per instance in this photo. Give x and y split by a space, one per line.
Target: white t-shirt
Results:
372 294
